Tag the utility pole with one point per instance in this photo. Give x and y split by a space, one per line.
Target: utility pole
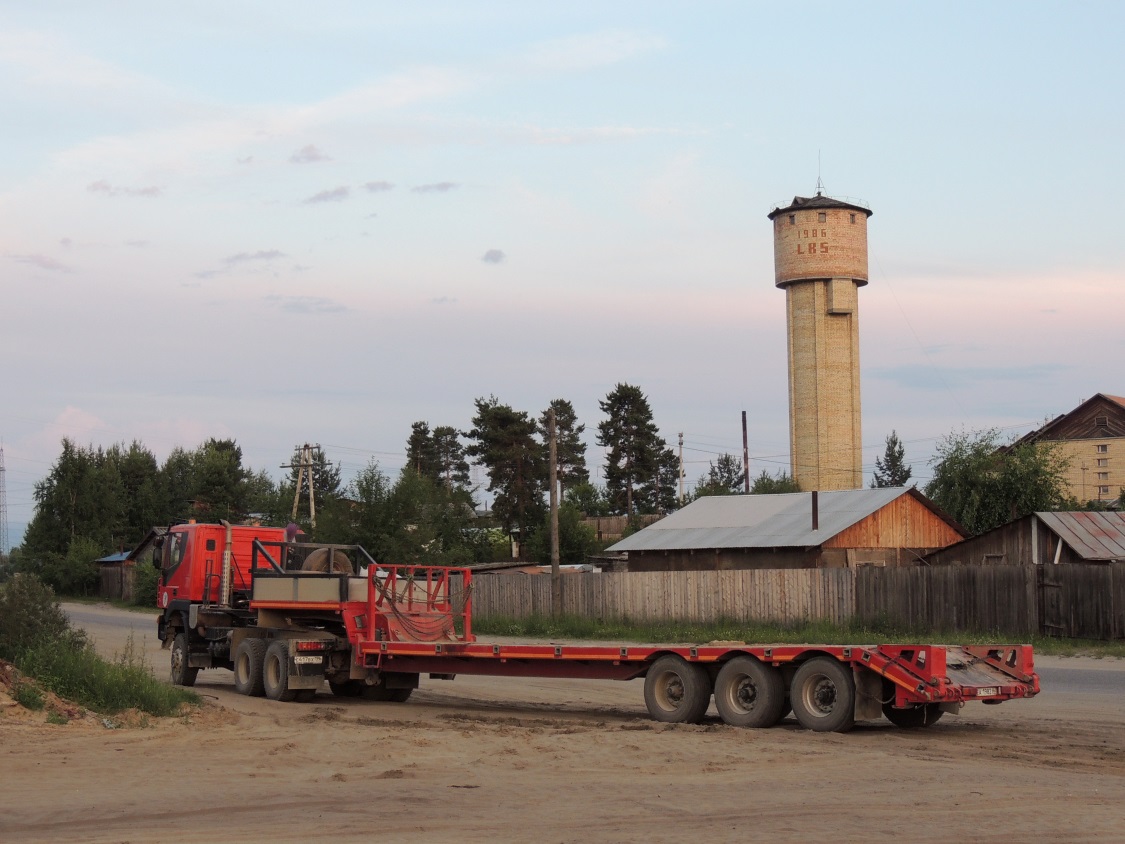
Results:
5 548
745 455
553 478
681 468
305 463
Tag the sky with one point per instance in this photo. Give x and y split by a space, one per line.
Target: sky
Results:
289 223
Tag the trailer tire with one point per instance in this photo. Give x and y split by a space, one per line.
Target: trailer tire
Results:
275 672
346 688
249 658
749 693
677 691
182 673
823 695
923 715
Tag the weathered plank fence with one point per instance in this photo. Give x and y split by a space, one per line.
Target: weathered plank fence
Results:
1079 600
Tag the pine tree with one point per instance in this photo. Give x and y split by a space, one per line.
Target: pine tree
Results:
640 471
504 441
891 468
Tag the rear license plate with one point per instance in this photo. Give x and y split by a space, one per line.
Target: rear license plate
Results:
988 691
309 660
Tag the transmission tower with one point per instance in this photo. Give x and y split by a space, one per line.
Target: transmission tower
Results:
4 547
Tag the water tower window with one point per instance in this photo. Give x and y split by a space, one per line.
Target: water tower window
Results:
792 219
1101 421
1102 449
853 218
1103 476
822 217
1103 490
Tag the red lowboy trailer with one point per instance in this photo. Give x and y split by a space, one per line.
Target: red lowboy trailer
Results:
288 617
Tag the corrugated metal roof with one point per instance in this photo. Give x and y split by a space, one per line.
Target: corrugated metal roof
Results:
760 521
1093 536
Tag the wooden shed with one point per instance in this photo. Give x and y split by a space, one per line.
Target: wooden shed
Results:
1042 539
842 528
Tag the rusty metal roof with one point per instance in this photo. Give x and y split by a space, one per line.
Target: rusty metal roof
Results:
761 521
1093 536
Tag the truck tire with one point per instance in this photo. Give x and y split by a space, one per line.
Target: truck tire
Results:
275 672
249 657
923 715
823 695
749 693
677 691
380 692
182 673
346 688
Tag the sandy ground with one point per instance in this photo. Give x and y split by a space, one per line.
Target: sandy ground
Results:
488 759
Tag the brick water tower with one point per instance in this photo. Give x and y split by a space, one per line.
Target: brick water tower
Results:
820 260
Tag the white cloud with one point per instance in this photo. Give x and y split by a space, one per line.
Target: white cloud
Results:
596 49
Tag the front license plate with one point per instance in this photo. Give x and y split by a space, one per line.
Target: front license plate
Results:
309 660
988 691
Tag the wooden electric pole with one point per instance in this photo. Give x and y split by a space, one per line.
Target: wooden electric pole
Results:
553 478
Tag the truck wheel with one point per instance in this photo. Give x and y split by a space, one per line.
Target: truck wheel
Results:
182 673
379 691
346 688
248 660
677 691
275 672
749 694
823 695
923 715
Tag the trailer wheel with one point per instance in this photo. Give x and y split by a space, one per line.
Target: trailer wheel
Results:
923 715
823 695
182 673
346 688
275 672
677 691
749 694
249 658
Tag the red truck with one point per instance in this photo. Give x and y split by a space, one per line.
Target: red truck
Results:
286 617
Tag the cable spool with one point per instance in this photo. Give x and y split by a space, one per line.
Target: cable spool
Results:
318 560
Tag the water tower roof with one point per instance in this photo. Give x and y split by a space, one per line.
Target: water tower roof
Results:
821 201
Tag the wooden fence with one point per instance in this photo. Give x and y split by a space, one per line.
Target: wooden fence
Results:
795 594
1081 600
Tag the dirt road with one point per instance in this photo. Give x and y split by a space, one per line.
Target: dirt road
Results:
488 759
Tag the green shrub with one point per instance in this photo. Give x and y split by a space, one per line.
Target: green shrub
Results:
145 580
80 675
28 695
29 615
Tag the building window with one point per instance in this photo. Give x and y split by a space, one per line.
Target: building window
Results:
1103 461
822 217
1103 476
792 219
1103 490
1102 449
1101 421
853 218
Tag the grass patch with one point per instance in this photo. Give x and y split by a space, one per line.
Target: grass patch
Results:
57 718
28 695
106 687
880 632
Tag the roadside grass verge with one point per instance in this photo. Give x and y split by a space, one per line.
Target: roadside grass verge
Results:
80 675
819 632
36 637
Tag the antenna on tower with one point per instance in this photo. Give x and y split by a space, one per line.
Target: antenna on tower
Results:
819 183
5 548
